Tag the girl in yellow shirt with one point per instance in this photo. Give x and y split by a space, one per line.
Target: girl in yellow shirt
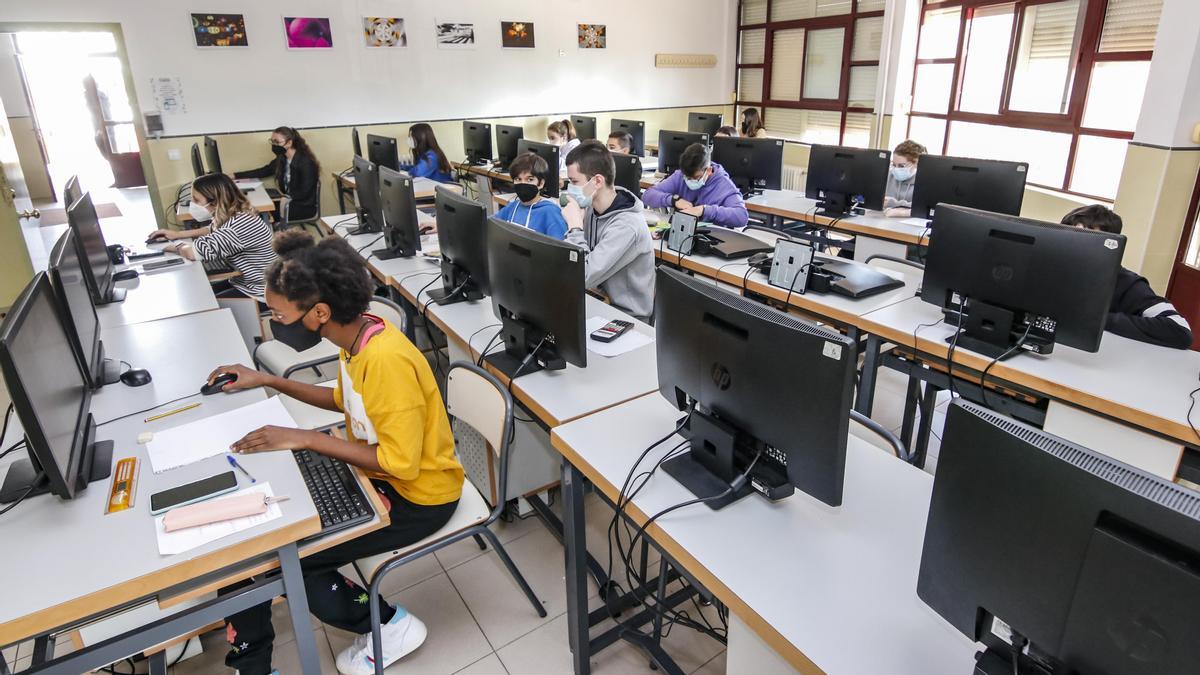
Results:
398 431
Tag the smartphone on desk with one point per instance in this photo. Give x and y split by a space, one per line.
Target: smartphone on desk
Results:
190 493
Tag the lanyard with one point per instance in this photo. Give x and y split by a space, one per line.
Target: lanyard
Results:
528 214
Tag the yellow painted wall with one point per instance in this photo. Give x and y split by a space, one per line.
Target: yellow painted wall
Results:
333 148
1153 198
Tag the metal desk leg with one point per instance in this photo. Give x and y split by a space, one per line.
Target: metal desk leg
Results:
912 393
575 546
293 585
870 375
158 662
42 651
928 404
341 190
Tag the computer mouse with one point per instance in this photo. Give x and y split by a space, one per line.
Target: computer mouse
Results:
220 381
159 239
136 377
125 275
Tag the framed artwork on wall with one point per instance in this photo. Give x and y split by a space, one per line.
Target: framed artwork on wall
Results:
219 30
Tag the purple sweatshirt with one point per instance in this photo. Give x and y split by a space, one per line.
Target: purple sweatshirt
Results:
721 199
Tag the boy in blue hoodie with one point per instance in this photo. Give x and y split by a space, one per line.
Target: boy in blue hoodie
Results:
702 189
529 209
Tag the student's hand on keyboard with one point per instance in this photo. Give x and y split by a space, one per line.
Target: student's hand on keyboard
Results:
247 378
270 438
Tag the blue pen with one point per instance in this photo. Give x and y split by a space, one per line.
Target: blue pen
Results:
234 463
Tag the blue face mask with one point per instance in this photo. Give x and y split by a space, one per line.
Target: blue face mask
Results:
903 173
696 184
576 193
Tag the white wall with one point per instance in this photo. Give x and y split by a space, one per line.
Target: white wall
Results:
265 85
11 91
1171 107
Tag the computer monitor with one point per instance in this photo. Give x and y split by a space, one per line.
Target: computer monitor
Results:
398 204
477 142
1020 284
1094 562
212 156
629 172
51 398
986 184
89 241
585 127
506 144
381 150
539 295
671 145
754 164
636 129
705 123
79 312
71 191
462 237
355 142
366 188
197 161
734 363
846 180
549 153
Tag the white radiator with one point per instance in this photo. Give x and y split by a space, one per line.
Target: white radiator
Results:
793 177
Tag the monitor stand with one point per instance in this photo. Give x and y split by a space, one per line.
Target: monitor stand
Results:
838 205
95 465
456 286
710 466
995 661
526 349
114 295
391 253
106 370
996 331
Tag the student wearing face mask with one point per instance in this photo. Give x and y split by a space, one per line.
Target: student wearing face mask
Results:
620 141
897 199
397 430
428 159
295 169
529 209
235 233
562 134
608 223
702 189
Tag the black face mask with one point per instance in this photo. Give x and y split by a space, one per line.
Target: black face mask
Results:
295 334
525 191
278 149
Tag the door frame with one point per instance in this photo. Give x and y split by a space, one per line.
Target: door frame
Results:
126 72
1180 268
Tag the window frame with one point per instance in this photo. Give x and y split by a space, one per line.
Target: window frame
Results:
847 22
1085 58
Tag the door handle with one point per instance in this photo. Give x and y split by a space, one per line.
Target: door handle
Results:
30 214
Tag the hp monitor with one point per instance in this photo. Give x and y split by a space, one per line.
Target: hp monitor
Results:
399 207
507 137
462 237
67 274
212 156
585 127
846 180
984 184
89 241
381 150
366 188
671 145
705 123
754 164
477 142
636 129
550 153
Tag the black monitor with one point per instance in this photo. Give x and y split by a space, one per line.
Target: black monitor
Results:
506 144
477 142
671 145
71 191
986 184
366 188
1095 563
585 127
754 164
197 161
462 238
549 153
539 295
51 397
398 205
381 150
734 364
89 241
629 172
846 180
636 129
355 142
705 123
1021 284
67 275
212 156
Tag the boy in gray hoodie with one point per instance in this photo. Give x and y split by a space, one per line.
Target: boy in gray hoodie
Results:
607 222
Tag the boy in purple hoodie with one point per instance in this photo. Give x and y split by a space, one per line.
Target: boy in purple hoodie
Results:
702 189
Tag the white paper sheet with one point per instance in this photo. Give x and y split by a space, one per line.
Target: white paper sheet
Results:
179 541
209 437
628 341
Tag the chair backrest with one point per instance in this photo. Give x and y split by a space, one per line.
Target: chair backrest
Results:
386 309
476 398
908 268
873 432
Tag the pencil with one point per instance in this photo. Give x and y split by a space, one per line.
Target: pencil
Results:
171 412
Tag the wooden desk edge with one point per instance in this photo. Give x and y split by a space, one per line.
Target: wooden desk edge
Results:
765 630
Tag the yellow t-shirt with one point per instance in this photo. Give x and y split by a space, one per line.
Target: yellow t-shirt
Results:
394 401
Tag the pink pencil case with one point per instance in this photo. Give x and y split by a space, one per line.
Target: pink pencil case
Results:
215 511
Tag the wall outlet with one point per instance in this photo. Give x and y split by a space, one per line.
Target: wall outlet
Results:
173 155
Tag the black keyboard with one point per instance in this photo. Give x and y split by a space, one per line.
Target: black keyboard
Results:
336 493
217 267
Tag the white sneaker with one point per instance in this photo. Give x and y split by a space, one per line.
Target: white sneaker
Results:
403 634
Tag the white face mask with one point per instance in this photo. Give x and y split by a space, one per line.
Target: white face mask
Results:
199 213
412 145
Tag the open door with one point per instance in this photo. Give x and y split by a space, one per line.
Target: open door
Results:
15 268
1184 289
114 132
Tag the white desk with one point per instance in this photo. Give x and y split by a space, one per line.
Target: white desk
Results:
258 197
827 588
384 270
160 294
179 352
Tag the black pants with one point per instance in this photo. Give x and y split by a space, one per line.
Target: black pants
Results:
333 598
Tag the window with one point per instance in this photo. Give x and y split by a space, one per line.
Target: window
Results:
1056 83
811 67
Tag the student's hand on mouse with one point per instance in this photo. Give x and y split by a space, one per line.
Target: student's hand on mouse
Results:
889 202
162 234
898 212
247 378
270 438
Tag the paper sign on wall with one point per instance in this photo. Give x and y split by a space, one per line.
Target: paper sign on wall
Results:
168 95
